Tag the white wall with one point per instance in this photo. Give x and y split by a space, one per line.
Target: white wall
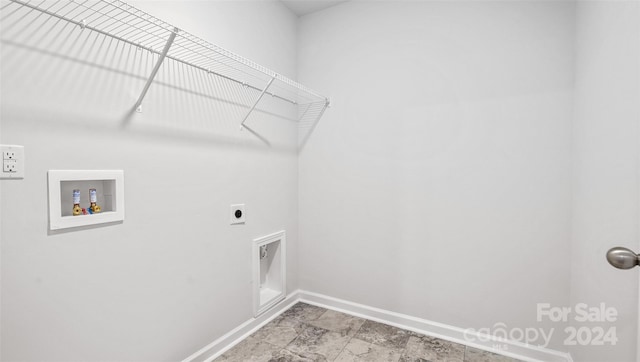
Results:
605 180
175 275
439 183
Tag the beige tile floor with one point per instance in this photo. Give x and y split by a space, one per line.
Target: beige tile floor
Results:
306 333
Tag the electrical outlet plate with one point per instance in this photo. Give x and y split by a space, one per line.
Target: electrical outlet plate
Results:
9 166
237 214
12 162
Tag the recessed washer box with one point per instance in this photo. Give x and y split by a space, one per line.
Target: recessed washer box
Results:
109 186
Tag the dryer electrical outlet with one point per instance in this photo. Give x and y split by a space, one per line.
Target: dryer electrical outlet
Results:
12 162
237 214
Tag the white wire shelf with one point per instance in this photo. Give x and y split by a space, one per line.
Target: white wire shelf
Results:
28 22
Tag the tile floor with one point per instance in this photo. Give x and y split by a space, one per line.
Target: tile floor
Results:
306 333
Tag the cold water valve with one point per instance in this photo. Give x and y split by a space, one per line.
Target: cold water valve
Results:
93 199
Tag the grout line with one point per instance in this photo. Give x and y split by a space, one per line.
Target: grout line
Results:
345 345
342 350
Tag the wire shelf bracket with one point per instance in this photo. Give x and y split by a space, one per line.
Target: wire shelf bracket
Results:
163 55
255 104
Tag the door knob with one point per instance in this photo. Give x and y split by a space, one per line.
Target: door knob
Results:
622 258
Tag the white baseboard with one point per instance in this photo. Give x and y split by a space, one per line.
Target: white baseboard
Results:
513 349
216 348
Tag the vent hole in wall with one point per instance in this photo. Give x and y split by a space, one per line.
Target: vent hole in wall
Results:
269 271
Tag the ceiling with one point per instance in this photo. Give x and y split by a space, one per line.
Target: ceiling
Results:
304 7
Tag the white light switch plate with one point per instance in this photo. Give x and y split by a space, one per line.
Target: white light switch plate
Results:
12 162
